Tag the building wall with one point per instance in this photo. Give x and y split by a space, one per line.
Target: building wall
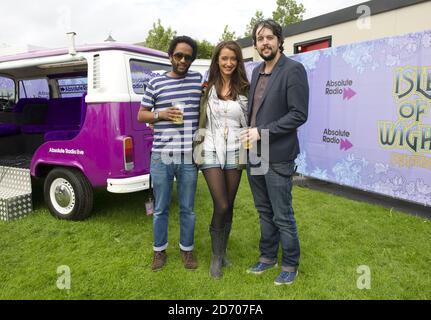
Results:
250 52
397 22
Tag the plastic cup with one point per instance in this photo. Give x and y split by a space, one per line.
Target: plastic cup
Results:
246 144
180 118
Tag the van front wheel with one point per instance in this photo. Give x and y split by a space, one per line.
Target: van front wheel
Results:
68 194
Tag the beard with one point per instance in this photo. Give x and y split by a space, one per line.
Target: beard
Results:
269 57
180 72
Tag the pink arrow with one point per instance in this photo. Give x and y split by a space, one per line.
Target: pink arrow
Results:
348 94
345 144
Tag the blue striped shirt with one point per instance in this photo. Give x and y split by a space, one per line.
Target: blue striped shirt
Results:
159 95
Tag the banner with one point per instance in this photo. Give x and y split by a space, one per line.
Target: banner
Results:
369 124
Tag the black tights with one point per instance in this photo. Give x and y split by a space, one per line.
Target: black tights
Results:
223 186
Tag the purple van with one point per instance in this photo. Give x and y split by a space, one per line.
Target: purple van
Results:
70 116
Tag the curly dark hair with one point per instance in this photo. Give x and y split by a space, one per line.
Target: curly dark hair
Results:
183 39
274 27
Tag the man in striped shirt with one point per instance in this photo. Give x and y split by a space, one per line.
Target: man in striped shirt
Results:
172 154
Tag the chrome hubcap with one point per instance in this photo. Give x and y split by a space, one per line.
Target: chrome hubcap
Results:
62 196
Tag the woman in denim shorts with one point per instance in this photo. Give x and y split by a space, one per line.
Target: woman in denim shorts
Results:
223 114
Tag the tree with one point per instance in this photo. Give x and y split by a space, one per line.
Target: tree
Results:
257 17
205 49
159 38
227 35
288 12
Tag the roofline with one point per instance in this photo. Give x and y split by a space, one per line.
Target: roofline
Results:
337 17
84 48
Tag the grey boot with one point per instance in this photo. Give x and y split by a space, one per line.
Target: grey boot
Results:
226 262
218 247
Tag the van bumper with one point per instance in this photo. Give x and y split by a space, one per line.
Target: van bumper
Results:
127 185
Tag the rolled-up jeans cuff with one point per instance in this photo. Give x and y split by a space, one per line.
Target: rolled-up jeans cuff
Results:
289 268
186 248
267 261
162 248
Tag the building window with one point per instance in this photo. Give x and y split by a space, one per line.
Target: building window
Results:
311 45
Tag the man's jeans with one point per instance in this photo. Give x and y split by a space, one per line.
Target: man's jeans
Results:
272 195
162 175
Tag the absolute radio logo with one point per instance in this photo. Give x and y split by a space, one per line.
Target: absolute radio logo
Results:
341 87
339 137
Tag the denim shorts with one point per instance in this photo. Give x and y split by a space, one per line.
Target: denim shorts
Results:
211 161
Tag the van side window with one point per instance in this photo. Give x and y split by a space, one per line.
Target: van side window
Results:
74 87
34 88
143 71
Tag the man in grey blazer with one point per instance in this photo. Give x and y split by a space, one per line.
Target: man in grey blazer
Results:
277 106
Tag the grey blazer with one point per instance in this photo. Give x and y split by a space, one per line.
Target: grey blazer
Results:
284 107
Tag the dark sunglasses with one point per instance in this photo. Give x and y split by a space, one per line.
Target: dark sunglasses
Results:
179 56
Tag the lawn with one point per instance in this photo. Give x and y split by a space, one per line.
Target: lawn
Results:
109 255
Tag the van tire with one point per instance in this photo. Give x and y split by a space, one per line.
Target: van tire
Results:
68 194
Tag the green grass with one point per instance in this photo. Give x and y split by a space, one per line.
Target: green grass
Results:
110 254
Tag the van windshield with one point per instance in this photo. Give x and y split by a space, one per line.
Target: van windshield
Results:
7 89
7 94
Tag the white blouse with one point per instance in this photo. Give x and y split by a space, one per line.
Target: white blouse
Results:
224 122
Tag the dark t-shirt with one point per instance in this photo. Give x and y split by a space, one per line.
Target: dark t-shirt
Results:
262 82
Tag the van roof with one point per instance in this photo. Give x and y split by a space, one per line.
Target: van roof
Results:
84 48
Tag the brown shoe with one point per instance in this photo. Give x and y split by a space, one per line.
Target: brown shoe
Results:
189 260
159 260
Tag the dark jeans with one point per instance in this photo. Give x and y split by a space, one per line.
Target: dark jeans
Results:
272 195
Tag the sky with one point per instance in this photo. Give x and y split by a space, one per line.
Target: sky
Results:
45 22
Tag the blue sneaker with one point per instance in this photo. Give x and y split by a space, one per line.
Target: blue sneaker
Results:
261 267
286 278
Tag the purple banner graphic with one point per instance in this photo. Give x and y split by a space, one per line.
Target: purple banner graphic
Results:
369 124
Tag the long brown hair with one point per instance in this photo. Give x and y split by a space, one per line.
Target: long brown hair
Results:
238 83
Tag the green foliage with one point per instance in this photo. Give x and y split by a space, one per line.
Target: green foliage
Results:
159 37
288 12
227 35
110 254
257 17
205 49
